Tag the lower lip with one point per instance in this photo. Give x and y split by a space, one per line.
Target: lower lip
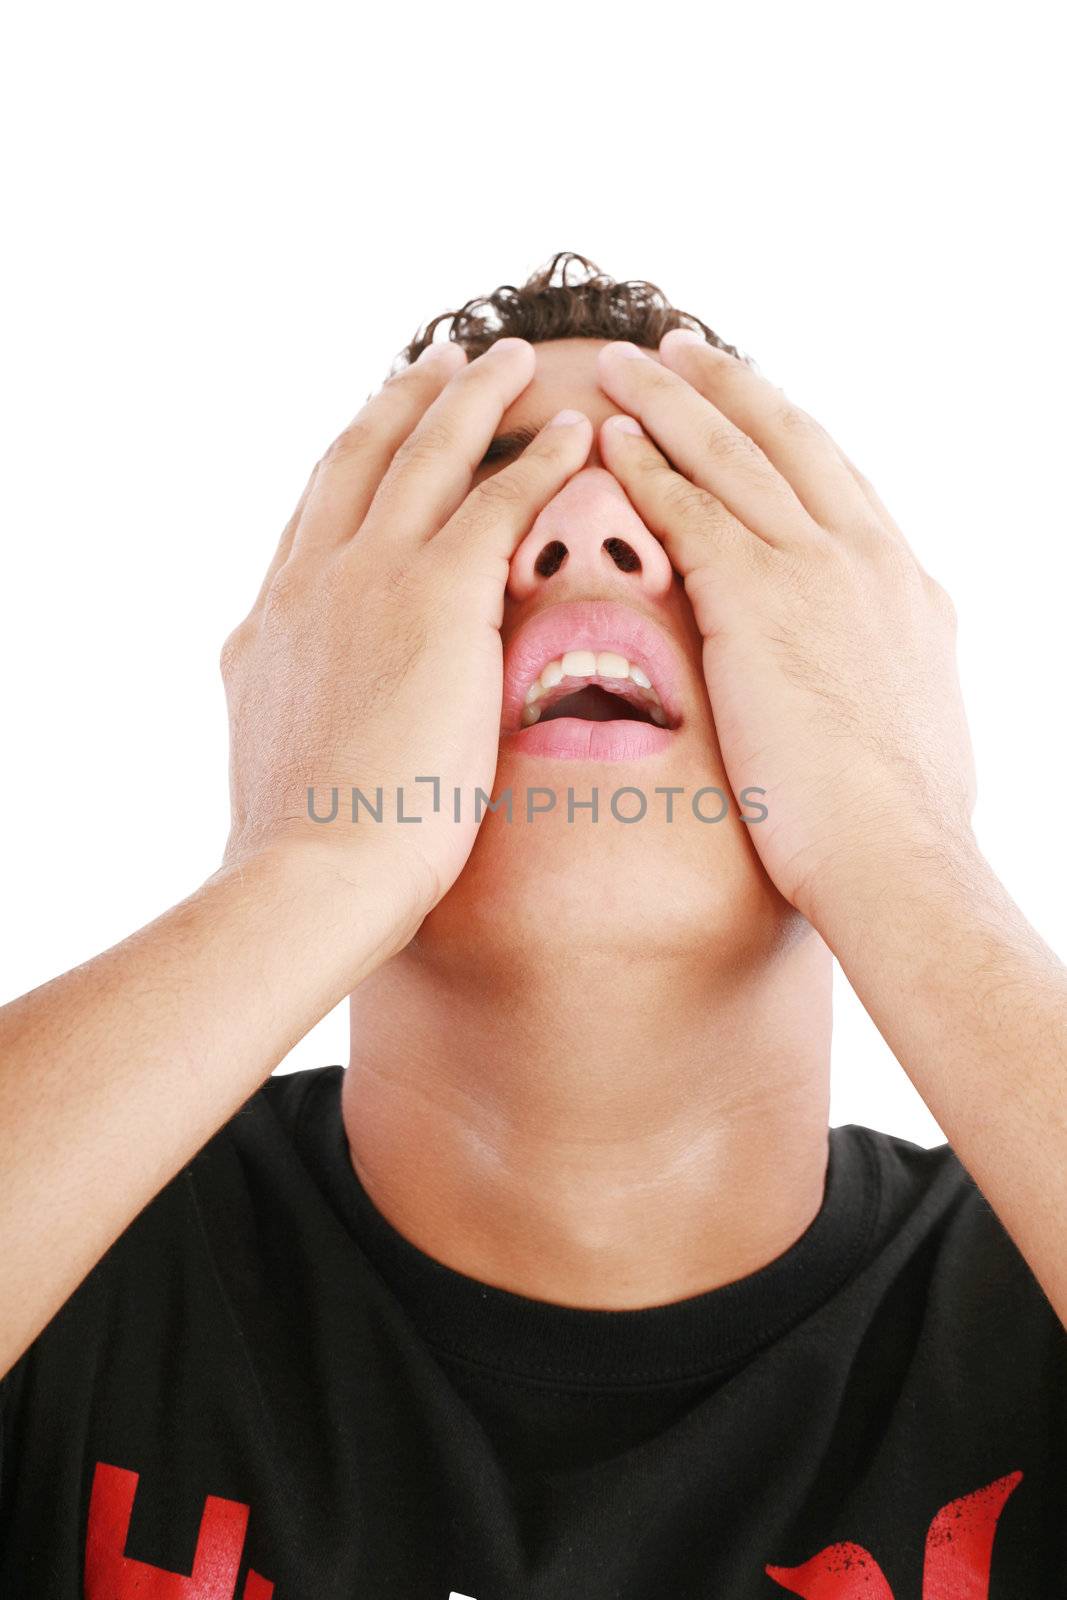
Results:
574 739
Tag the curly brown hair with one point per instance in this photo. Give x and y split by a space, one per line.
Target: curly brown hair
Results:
589 307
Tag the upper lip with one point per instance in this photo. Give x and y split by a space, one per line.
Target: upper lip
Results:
589 625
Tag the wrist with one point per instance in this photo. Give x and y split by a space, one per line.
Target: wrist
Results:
855 885
357 907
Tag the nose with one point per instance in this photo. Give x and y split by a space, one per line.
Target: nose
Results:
590 540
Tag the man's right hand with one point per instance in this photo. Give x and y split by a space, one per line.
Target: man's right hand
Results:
372 655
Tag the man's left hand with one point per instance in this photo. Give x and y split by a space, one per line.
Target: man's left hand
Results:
829 652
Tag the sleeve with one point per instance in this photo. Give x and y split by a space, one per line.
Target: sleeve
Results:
3 1408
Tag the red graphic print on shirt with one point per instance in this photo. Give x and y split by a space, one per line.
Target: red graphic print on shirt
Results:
959 1552
112 1575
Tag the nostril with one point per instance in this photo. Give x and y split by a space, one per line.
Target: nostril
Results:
624 555
551 559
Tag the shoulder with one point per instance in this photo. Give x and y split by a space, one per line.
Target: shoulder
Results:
246 1198
279 1109
940 1232
908 1175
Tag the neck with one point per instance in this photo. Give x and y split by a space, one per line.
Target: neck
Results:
615 1133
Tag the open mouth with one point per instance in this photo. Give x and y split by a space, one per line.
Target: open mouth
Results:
591 680
595 701
595 704
593 687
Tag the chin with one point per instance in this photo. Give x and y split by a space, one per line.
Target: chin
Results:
551 891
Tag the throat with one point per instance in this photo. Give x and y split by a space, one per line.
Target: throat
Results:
611 1134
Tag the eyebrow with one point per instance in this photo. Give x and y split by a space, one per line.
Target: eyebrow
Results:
506 446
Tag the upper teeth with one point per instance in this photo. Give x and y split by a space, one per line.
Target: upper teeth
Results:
590 664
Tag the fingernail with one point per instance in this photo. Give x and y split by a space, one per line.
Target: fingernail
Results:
432 352
565 419
507 346
684 336
626 424
625 348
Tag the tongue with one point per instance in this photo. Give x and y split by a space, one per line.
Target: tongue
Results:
594 704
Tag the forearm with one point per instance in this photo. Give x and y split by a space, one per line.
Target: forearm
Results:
113 1076
360 655
974 1006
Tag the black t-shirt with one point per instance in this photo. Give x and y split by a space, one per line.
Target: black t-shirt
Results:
263 1392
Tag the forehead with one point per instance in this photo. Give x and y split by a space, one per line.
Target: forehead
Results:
565 375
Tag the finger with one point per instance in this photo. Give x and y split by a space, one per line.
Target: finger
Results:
493 519
801 450
349 474
432 471
704 445
692 523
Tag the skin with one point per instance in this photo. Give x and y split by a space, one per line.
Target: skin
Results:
373 652
599 1074
852 698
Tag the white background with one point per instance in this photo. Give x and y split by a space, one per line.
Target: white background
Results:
223 221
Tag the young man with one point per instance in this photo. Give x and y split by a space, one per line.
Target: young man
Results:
564 1288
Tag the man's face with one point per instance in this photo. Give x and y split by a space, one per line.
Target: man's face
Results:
603 691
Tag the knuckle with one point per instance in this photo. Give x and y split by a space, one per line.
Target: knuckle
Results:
350 442
402 378
791 419
941 599
869 531
865 483
504 490
281 594
902 565
649 464
655 376
732 446
234 647
429 440
689 499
